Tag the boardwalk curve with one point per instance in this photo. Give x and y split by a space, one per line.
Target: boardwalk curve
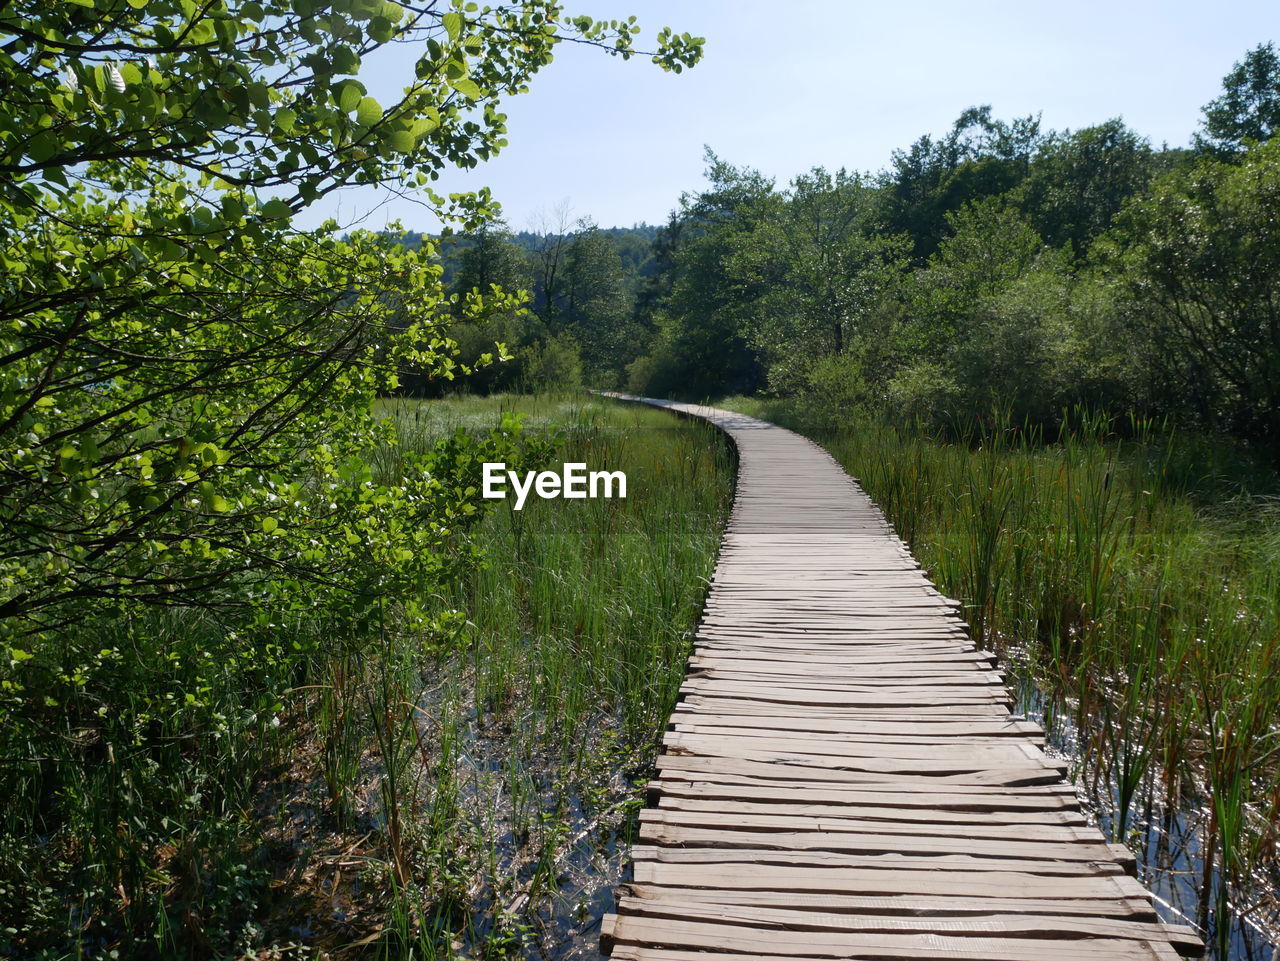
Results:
842 777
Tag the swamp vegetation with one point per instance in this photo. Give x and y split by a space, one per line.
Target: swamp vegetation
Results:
384 792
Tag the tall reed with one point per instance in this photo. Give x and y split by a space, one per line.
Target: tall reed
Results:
578 627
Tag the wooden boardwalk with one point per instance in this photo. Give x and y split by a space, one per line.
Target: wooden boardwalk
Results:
842 776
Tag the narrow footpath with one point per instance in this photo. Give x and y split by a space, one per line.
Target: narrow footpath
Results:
842 777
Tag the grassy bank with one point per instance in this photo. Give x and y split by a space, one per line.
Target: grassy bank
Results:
278 786
1138 584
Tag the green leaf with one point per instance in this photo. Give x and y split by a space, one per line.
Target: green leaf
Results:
43 146
276 209
259 95
453 25
423 126
368 112
269 524
349 94
381 30
402 141
467 87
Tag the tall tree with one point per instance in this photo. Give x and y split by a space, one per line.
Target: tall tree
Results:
1202 256
1249 109
491 259
702 313
1079 181
979 157
832 260
597 304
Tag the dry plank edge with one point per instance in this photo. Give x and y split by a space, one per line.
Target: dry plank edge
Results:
843 778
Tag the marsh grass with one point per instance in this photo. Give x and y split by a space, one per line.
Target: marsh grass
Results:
295 788
568 667
1138 582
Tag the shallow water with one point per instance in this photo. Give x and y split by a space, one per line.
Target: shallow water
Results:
1166 843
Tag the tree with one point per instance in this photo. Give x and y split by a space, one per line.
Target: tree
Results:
553 230
991 245
173 349
490 324
597 305
1201 257
701 309
490 259
1079 181
833 260
979 157
1248 112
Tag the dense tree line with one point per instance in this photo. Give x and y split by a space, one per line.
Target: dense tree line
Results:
577 287
1000 264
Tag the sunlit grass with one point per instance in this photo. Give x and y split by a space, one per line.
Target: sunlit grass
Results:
203 787
578 630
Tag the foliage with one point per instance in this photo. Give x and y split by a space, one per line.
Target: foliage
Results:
161 367
190 525
1079 181
979 157
1201 256
596 306
1248 112
1000 264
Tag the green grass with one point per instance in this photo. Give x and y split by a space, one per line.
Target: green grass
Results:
578 628
200 788
1140 591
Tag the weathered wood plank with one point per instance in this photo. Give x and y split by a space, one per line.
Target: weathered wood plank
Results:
992 924
948 943
1115 905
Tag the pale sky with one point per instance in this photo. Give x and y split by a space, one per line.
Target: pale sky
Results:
792 84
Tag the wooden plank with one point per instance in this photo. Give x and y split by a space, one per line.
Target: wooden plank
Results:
882 773
805 820
866 842
942 731
939 738
773 942
1115 905
984 925
630 952
930 815
833 872
738 703
988 752
965 798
